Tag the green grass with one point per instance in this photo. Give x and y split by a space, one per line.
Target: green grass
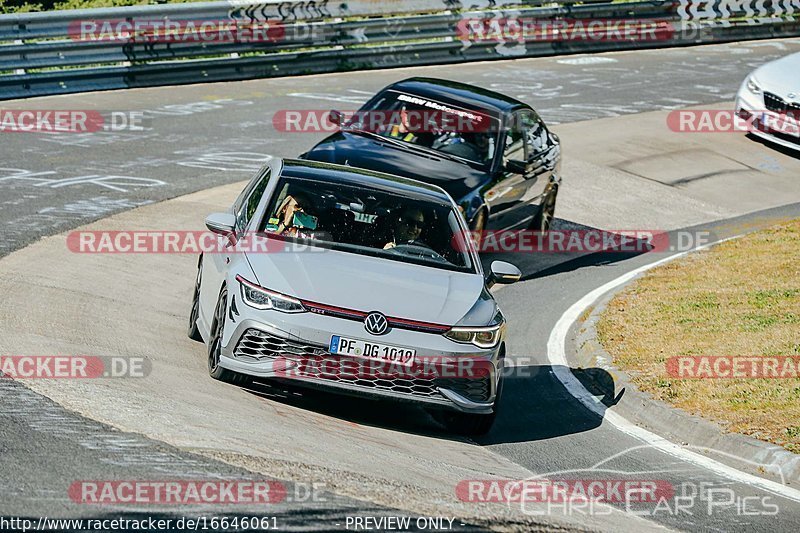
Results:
741 298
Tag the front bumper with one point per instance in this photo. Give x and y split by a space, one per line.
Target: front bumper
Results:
748 104
301 356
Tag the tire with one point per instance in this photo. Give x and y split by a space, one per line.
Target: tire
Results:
470 424
194 332
544 218
478 226
215 346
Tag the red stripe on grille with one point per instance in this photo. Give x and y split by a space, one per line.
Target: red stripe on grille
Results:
352 314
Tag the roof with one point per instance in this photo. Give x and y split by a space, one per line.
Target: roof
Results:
460 94
326 172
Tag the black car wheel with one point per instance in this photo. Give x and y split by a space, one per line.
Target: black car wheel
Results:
544 218
477 227
194 332
215 346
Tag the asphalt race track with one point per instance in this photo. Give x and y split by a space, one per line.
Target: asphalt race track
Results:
623 169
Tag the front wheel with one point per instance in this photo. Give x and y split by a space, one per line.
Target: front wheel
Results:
215 346
472 424
544 218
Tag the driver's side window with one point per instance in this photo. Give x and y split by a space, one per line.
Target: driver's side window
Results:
515 146
248 203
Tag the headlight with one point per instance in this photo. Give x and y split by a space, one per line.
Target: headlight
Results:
753 86
262 298
486 337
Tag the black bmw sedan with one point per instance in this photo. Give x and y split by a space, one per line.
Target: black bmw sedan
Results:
493 154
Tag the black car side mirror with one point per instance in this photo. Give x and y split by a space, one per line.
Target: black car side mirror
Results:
336 117
516 167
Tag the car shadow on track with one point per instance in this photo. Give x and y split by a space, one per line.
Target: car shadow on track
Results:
535 263
534 406
775 146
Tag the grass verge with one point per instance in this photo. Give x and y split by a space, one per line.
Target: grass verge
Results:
741 298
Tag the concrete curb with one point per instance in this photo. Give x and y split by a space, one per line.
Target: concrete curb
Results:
740 451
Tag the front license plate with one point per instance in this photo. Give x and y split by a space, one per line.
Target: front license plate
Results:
372 350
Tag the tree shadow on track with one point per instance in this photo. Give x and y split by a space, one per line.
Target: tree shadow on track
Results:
534 406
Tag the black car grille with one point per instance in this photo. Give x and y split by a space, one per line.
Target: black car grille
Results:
777 104
315 362
476 389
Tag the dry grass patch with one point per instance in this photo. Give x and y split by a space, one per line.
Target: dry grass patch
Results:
741 298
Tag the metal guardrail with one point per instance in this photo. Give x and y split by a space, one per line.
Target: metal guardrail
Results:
69 51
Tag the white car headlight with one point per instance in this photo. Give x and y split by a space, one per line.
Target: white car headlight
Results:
486 337
261 298
753 86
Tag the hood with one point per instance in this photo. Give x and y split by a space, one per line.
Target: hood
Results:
781 77
364 283
359 151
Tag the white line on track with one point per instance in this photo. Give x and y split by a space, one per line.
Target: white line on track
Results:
556 353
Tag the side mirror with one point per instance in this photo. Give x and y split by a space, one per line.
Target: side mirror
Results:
503 273
336 118
221 224
516 167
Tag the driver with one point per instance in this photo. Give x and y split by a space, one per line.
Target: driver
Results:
407 228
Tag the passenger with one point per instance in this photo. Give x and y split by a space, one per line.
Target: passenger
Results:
292 216
408 227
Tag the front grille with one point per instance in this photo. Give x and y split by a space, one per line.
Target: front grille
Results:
777 104
256 345
358 373
315 362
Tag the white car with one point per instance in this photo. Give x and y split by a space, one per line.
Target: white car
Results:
772 93
367 293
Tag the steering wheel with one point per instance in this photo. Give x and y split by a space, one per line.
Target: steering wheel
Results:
418 249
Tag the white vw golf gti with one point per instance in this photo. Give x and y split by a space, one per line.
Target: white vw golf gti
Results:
363 283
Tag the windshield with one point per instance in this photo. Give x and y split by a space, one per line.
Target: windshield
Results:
449 130
368 221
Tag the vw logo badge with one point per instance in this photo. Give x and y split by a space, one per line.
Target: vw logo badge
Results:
791 95
376 323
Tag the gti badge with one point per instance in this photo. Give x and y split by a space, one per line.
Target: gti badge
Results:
376 323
